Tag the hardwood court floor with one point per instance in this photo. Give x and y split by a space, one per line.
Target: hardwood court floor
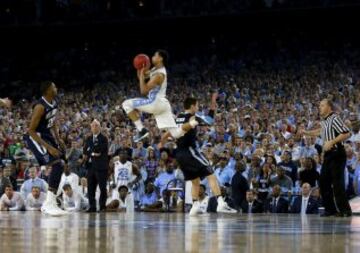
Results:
162 232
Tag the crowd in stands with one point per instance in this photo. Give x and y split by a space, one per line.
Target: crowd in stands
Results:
260 160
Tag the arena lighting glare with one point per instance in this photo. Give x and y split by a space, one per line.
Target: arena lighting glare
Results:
141 4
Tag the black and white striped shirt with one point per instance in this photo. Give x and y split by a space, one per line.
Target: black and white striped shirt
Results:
332 126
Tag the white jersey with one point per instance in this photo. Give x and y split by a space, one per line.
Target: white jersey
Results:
123 173
160 90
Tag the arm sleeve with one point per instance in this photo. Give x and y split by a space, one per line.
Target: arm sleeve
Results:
340 126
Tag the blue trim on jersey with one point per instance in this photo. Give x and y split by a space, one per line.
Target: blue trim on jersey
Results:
146 101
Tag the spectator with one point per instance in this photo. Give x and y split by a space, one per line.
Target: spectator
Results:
9 175
11 201
239 185
250 204
28 185
212 206
4 181
305 204
151 164
277 204
164 178
289 166
222 172
308 173
73 156
35 199
149 201
283 181
83 187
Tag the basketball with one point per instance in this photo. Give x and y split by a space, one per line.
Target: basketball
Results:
140 61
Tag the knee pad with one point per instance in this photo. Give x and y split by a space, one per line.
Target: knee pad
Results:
127 106
176 132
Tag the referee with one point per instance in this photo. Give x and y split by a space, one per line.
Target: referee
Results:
332 182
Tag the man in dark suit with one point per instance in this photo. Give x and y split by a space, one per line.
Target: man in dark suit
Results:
4 181
305 204
277 204
239 185
251 205
97 162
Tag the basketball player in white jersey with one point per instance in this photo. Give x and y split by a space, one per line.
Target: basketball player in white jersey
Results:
125 172
156 102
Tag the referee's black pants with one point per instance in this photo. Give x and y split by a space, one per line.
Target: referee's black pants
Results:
332 181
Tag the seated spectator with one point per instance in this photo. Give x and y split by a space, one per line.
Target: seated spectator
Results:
27 186
149 201
4 181
70 178
289 166
163 179
73 200
11 201
122 201
9 175
35 199
222 172
277 204
171 201
84 187
239 185
213 201
250 204
315 194
283 181
73 156
308 173
151 163
139 151
262 184
305 204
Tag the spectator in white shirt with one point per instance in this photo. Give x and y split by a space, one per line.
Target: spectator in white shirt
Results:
83 186
11 201
73 200
27 186
35 199
68 178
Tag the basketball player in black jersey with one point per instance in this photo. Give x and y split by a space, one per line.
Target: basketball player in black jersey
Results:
45 143
191 160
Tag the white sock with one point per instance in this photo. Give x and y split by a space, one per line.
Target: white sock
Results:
50 196
139 125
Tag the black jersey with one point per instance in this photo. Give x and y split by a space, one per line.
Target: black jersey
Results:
48 119
189 139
